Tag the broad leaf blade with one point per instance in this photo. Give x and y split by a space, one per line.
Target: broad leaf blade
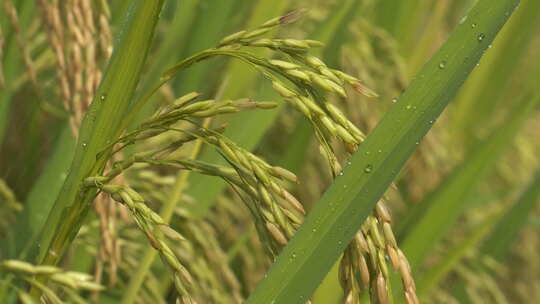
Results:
449 200
340 212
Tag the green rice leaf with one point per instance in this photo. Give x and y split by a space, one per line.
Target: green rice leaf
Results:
434 217
340 212
487 90
502 227
500 240
99 127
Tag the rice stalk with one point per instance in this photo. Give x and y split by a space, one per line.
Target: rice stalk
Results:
99 125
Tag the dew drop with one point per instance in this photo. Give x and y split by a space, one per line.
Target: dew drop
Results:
394 100
102 97
481 37
368 169
408 107
84 145
473 25
380 151
442 65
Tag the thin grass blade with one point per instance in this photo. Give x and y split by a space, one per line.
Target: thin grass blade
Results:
500 240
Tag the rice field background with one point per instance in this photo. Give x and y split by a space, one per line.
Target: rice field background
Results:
203 151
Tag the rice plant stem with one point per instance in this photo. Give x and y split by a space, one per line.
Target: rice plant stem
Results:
166 213
100 125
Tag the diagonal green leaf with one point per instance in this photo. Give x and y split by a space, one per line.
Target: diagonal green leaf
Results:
99 127
503 227
442 208
505 232
340 212
487 88
41 198
453 256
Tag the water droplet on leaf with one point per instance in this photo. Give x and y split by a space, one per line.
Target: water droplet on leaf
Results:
481 37
368 169
442 65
